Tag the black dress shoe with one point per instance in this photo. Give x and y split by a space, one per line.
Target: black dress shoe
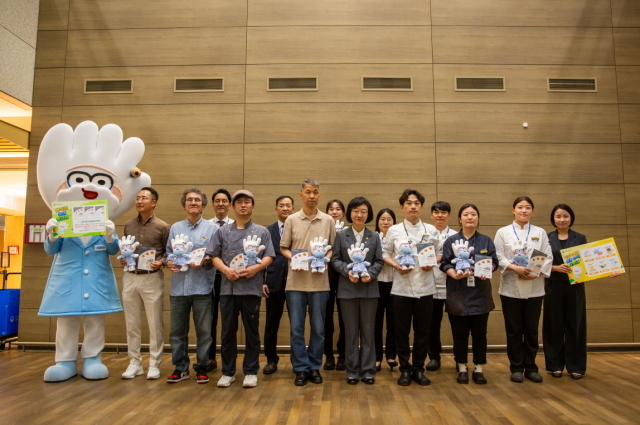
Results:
341 365
479 378
463 378
433 365
301 379
270 368
405 378
352 381
533 377
212 364
517 377
329 364
369 380
379 368
419 378
315 377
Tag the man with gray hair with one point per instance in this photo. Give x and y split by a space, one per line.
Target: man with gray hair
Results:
306 288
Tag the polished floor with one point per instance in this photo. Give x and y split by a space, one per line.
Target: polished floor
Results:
608 394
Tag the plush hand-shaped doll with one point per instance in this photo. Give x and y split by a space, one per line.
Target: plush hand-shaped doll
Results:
319 249
406 258
81 165
357 254
462 251
252 248
181 248
127 252
520 257
339 225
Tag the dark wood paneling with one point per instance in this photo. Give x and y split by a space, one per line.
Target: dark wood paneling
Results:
630 158
47 87
628 83
629 123
52 49
625 13
609 326
627 41
54 15
32 327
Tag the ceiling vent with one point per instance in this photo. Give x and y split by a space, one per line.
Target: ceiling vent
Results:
387 84
480 84
580 85
292 84
108 86
190 85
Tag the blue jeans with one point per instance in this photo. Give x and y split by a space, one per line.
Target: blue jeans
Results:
306 359
179 330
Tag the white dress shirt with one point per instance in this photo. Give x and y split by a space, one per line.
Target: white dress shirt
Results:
386 275
416 283
536 238
226 220
440 276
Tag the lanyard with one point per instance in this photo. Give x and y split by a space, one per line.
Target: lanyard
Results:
423 235
514 232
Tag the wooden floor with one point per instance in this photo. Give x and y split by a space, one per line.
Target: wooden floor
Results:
609 394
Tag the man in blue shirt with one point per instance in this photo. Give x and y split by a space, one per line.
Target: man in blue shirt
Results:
191 289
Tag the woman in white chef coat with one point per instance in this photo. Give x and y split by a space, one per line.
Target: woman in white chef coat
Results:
521 292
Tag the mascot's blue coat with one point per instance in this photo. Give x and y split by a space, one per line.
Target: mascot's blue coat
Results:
81 281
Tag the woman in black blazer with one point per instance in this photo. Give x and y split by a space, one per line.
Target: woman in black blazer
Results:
358 295
564 326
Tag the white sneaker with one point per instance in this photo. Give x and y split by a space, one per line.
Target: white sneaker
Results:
225 381
132 371
153 373
250 381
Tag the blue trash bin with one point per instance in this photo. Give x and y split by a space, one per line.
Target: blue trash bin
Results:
9 312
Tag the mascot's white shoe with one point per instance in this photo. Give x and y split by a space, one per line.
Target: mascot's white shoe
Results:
61 371
93 369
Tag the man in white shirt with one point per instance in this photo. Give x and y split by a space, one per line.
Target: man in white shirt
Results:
440 216
413 288
221 201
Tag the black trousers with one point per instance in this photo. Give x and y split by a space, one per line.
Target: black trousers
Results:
564 327
435 345
215 303
385 304
417 311
249 307
329 327
275 310
461 326
521 319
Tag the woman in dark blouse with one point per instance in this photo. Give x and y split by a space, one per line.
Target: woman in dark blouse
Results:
469 302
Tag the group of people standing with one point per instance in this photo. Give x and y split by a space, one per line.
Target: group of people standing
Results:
388 293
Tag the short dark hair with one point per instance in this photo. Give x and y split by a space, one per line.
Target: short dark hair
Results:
565 207
441 206
408 192
382 211
183 198
151 190
280 198
356 202
331 202
523 198
219 191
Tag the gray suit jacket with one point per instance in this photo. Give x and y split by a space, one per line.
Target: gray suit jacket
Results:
340 260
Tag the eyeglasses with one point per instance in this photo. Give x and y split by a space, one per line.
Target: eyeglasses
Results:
221 201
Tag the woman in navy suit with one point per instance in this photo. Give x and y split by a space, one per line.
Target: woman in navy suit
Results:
358 290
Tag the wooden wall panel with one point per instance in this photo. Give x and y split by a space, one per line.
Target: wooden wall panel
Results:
629 123
54 15
523 45
630 158
48 87
627 42
632 202
340 123
548 123
154 85
634 277
609 293
118 14
628 83
43 118
636 325
625 13
532 164
634 244
338 12
568 13
331 44
524 83
608 326
35 278
296 160
32 327
140 47
339 83
52 49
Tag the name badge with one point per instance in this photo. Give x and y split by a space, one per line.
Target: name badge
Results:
100 248
484 251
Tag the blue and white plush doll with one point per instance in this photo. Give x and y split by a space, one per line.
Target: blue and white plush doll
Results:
406 257
462 251
181 248
520 256
358 266
85 164
252 248
127 252
319 249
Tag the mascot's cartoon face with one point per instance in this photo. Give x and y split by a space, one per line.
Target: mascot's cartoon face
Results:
319 251
180 248
127 249
463 252
405 247
91 164
252 251
520 254
357 255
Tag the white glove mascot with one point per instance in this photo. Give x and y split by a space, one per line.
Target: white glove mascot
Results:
85 164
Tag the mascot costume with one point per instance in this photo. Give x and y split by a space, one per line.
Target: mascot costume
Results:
85 164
